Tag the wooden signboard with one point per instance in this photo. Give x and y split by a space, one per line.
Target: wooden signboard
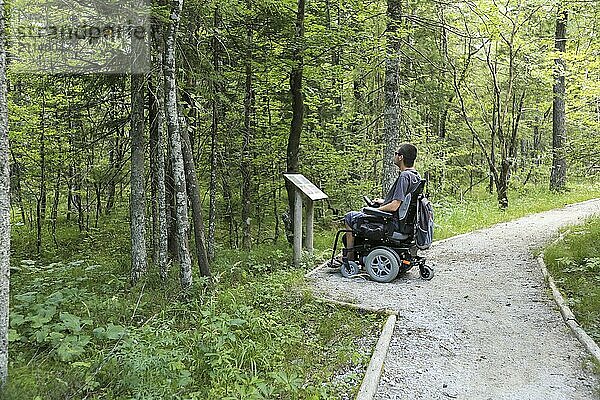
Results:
305 189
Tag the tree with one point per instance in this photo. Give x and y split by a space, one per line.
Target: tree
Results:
558 175
157 168
4 208
172 116
194 195
138 197
245 165
392 109
293 146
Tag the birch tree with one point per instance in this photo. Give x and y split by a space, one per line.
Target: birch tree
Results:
4 208
172 116
157 161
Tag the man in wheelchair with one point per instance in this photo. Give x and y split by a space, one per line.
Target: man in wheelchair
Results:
380 238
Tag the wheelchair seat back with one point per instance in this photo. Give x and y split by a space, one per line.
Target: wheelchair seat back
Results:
407 212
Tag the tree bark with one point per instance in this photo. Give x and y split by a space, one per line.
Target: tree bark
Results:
4 209
172 116
194 195
16 166
392 105
137 200
245 166
293 146
212 212
157 134
558 175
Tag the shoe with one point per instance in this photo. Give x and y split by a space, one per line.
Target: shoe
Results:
335 263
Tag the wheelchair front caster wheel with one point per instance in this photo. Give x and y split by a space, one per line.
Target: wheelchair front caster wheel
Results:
426 273
349 270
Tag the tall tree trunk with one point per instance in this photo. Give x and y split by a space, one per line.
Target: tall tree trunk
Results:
55 204
558 175
17 171
194 195
245 166
212 212
41 201
159 206
138 199
293 146
172 116
4 209
392 107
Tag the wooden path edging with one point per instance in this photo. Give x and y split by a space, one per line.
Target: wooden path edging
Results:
370 382
567 314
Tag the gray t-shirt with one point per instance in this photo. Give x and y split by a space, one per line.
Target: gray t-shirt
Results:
405 183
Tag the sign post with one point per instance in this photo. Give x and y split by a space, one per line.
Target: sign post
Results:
305 190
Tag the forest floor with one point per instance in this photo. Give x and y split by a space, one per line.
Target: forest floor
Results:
485 327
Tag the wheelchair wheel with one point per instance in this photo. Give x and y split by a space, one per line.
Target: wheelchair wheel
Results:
350 270
426 273
382 265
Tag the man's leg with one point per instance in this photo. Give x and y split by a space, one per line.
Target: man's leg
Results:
349 220
349 244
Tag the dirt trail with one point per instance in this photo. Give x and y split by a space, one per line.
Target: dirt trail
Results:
485 327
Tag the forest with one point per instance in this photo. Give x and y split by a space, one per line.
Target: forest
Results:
161 184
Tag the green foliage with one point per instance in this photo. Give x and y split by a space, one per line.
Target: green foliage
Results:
78 330
574 262
480 209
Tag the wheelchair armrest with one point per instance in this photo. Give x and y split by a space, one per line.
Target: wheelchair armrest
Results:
376 212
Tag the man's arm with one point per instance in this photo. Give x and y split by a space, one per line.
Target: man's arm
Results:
391 207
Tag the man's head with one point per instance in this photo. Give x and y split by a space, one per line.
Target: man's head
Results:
406 154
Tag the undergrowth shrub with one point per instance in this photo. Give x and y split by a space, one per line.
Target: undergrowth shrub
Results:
574 262
79 331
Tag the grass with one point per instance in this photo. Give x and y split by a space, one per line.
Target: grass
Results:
78 330
480 209
574 262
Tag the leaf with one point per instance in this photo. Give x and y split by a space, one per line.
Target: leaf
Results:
72 346
100 333
71 322
56 337
42 334
81 364
114 332
43 316
13 335
26 297
16 320
237 322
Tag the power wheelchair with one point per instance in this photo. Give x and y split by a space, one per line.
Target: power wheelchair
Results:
384 243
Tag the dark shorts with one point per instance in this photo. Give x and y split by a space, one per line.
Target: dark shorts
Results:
351 217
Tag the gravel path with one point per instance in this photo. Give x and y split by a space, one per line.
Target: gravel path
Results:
485 327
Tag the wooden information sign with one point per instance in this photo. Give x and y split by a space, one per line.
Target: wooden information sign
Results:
305 189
